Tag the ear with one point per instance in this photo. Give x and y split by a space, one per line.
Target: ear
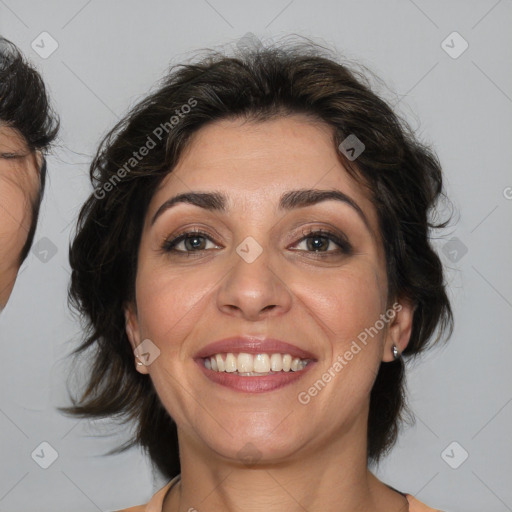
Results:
39 159
399 328
133 333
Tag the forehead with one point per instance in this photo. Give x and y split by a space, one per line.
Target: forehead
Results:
253 161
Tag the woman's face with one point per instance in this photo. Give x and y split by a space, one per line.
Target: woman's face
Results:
19 185
257 272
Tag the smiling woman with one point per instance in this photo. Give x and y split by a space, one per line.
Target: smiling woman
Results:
254 283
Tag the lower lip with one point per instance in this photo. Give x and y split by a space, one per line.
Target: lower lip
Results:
253 384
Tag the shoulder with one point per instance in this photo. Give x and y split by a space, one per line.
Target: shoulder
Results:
155 503
157 500
417 506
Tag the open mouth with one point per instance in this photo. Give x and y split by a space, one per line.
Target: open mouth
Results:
254 373
254 365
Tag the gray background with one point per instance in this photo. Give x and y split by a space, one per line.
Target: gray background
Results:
109 55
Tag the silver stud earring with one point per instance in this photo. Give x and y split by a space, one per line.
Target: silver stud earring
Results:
396 354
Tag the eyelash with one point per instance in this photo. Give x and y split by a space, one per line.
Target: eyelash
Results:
344 246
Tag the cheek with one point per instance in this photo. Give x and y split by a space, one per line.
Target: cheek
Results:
169 304
15 219
362 303
345 301
348 305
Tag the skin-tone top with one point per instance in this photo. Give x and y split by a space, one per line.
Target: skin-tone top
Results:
156 502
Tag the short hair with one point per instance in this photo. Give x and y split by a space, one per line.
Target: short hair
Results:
25 107
403 175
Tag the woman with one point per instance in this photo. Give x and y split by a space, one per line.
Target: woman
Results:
28 126
254 264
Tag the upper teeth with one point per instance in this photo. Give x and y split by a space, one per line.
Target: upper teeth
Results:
249 363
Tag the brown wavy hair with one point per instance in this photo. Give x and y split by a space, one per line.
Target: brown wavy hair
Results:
403 175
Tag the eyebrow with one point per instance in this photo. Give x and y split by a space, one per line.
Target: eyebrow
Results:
216 201
13 155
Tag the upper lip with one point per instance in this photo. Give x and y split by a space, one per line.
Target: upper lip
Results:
253 345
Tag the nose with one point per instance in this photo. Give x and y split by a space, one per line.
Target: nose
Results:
253 291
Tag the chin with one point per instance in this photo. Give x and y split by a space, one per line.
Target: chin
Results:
251 441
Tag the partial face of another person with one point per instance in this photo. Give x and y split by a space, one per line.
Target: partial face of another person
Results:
317 292
19 189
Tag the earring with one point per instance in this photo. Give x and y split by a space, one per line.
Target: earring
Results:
139 363
396 354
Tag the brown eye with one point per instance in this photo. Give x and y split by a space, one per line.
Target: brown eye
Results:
321 239
192 242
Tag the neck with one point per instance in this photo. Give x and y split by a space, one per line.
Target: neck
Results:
330 478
